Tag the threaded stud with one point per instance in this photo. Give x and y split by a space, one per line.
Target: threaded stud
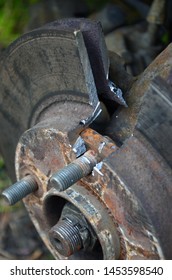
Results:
19 190
73 172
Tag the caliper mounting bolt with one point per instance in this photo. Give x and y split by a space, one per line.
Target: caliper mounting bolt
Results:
20 189
73 172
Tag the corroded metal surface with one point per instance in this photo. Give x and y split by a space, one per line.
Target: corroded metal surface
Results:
137 236
148 178
123 197
124 122
96 215
104 146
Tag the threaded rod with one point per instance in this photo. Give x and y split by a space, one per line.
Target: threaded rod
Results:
19 190
73 172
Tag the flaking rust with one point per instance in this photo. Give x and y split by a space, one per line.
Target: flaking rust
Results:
108 188
123 196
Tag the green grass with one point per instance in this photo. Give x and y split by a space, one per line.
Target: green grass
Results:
14 16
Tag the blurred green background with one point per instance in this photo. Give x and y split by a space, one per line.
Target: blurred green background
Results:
14 16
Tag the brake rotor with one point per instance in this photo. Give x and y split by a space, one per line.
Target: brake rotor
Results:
51 90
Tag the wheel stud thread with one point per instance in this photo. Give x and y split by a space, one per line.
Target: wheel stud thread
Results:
19 190
69 237
73 172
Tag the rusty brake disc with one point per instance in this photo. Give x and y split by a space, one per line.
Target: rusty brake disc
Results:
90 196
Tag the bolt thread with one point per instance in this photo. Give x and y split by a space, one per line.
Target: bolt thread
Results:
72 173
66 177
86 164
69 234
19 190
